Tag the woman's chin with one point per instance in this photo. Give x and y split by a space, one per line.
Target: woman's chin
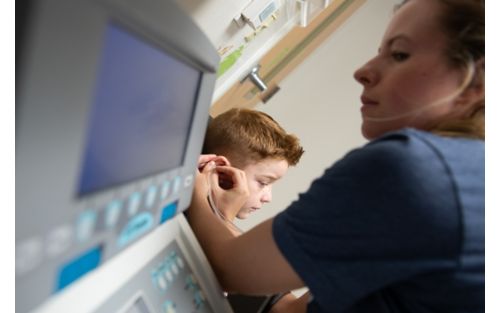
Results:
243 215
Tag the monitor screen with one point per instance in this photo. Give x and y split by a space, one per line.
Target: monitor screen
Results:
141 112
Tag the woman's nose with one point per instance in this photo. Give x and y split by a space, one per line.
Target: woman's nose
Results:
366 75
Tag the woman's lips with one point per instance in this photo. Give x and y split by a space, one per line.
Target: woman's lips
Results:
368 101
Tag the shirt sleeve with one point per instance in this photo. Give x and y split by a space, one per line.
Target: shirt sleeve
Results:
380 215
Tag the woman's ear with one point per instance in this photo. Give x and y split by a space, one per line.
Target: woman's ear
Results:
474 92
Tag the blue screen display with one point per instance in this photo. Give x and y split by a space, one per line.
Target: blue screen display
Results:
78 267
141 113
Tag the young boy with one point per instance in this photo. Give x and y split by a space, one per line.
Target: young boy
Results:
254 142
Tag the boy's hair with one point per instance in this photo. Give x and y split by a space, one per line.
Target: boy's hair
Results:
247 136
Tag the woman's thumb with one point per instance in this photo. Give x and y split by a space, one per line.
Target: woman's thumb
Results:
209 167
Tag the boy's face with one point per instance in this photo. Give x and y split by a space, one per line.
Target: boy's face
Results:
260 177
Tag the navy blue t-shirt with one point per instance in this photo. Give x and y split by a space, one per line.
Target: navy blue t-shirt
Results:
395 226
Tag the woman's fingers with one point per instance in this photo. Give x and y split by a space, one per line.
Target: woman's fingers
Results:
221 160
204 159
235 178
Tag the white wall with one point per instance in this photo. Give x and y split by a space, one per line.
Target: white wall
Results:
320 103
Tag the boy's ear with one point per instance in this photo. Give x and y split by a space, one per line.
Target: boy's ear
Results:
221 160
475 91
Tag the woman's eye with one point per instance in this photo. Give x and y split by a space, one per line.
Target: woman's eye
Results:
399 56
263 184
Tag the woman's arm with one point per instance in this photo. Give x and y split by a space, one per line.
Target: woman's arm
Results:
250 263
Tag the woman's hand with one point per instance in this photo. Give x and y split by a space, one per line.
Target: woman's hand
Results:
217 159
229 189
228 185
201 186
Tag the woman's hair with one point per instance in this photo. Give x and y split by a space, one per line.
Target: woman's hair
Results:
247 136
463 24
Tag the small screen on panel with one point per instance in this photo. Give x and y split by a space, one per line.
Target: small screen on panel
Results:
139 306
141 113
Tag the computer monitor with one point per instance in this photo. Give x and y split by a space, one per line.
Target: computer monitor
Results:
112 101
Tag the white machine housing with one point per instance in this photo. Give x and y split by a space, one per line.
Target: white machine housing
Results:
112 101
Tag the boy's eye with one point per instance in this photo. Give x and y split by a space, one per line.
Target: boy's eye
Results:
263 184
399 56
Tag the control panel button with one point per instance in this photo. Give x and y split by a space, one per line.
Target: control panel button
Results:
113 211
28 254
191 283
168 212
134 202
179 261
78 267
188 180
164 190
161 282
135 228
85 225
151 197
169 307
154 278
174 268
169 276
177 185
199 299
59 240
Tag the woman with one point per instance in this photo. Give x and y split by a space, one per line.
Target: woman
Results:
397 225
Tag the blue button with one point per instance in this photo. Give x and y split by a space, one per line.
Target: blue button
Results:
169 307
78 267
136 227
199 299
168 212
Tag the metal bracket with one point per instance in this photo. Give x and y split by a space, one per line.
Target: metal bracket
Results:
255 78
